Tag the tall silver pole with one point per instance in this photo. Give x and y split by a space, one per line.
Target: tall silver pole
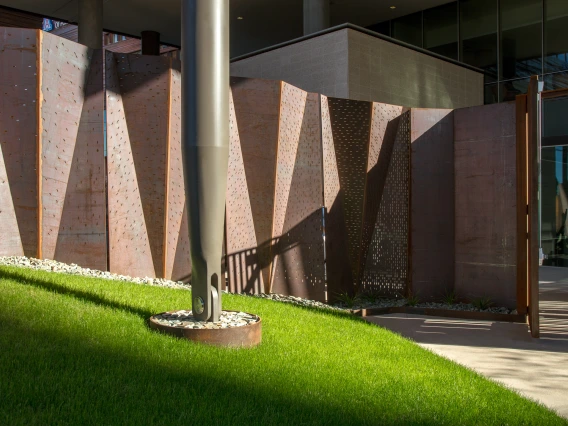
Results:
316 16
91 23
205 136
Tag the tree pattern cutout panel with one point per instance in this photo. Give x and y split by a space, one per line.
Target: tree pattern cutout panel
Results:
297 251
178 256
366 189
251 182
387 262
73 175
129 245
18 140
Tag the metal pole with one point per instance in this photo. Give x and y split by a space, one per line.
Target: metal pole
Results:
205 136
91 23
316 16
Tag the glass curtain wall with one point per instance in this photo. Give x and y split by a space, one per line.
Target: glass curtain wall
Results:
509 39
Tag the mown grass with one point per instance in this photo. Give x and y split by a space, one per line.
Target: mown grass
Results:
78 351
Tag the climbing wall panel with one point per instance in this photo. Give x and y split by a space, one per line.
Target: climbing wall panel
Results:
251 182
18 138
433 199
297 251
72 157
145 87
178 256
485 203
129 244
11 243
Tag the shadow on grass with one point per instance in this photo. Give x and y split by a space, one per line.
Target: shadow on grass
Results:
81 295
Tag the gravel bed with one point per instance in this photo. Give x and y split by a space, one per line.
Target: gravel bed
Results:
72 269
185 319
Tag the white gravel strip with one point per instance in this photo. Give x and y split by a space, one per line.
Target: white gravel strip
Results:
54 266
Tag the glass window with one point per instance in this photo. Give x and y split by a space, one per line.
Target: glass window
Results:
510 89
554 205
556 42
381 28
521 39
441 30
478 28
408 29
554 124
556 81
491 95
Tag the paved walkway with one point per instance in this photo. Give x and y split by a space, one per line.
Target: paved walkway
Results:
505 352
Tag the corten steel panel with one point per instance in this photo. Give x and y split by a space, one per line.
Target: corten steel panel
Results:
129 245
82 230
338 270
18 128
348 137
298 267
433 202
178 257
387 260
10 243
73 176
522 200
244 271
383 138
251 182
485 203
144 83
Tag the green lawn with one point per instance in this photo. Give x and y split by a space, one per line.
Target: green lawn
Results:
77 351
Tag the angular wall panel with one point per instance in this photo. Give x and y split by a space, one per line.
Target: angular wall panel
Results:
485 203
129 244
10 243
433 199
251 182
297 251
178 256
18 131
385 255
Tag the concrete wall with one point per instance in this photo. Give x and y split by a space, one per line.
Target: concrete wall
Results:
350 64
316 65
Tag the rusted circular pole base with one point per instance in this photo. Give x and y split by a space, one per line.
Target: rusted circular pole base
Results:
246 336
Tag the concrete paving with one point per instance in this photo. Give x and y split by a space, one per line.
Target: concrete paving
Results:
505 352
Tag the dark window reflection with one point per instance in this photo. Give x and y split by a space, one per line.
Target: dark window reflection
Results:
510 89
554 205
491 94
441 30
555 38
521 38
556 81
478 21
381 28
554 123
408 29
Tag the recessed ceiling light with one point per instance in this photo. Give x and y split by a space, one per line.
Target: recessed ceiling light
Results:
240 18
393 7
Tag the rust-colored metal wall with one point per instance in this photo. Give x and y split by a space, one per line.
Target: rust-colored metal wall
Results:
148 232
433 202
297 251
366 148
52 147
485 203
73 210
255 110
18 137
